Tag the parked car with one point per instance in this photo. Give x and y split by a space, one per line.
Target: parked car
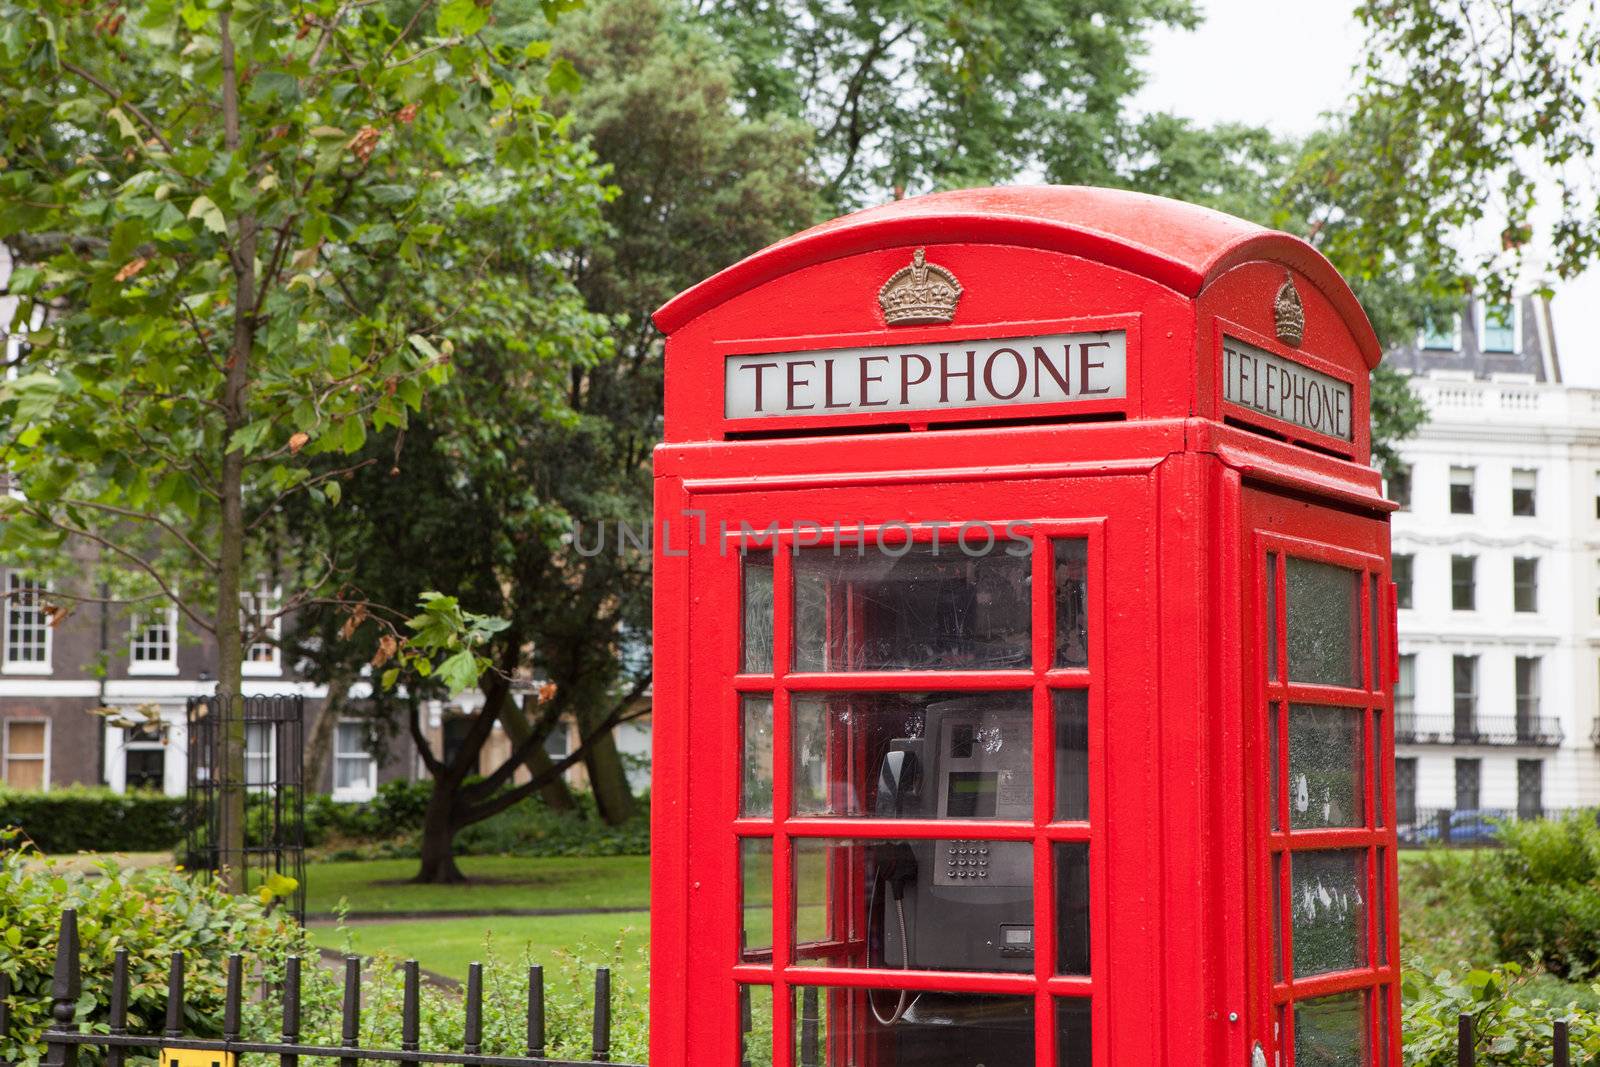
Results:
1467 826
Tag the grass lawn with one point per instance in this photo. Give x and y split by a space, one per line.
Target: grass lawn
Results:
496 882
448 945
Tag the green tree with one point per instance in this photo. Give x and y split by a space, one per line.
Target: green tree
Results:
254 230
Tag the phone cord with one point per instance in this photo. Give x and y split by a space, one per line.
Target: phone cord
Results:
905 964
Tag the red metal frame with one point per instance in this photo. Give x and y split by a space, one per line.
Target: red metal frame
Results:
1180 496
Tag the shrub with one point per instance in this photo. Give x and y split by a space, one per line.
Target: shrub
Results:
533 829
80 819
1514 1025
1540 895
397 809
153 912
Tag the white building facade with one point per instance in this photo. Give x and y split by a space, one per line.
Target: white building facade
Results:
1497 564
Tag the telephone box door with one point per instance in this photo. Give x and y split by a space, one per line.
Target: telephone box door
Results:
1318 705
939 775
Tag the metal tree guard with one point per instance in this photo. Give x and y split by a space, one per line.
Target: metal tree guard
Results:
270 777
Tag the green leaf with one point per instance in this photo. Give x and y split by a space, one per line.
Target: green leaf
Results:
464 17
124 124
459 672
390 676
209 214
563 76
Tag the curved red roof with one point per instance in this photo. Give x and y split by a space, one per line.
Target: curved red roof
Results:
1179 245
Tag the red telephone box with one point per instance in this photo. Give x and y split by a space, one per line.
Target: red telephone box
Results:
1023 648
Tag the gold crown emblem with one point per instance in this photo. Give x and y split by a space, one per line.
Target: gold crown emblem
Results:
1288 314
921 293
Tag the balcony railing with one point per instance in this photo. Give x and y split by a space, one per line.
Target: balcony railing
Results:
1531 731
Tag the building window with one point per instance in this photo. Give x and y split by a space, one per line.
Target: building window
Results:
1597 494
1469 773
27 754
144 753
1527 698
258 746
355 771
1400 569
263 629
1442 333
1405 790
1463 582
1525 584
1461 482
1530 788
1405 689
153 642
1399 489
455 730
27 625
1499 328
1523 486
1464 674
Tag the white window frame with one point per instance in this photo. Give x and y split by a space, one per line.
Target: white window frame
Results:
161 744
272 753
365 791
7 666
1516 329
137 626
5 750
252 605
1455 337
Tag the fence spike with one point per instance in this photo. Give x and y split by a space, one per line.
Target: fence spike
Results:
1466 1043
65 986
230 1003
1563 1045
291 1010
351 1035
175 996
410 1013
810 1029
474 1028
602 1015
536 1012
5 1005
119 1006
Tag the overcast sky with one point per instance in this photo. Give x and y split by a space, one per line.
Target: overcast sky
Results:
1282 65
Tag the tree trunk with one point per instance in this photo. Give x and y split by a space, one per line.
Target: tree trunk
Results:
230 553
519 723
612 796
438 837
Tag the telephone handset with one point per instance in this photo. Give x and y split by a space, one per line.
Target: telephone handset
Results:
957 904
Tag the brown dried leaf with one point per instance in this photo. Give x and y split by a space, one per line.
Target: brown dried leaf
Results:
297 441
387 647
406 115
353 621
365 142
132 267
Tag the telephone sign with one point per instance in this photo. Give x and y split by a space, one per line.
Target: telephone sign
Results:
1109 785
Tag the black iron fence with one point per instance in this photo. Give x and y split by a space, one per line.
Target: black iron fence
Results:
64 1036
1467 1041
1469 827
1526 731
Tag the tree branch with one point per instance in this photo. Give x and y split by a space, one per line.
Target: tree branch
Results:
133 109
141 516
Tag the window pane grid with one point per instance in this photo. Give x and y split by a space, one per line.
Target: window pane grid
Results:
787 830
1337 1006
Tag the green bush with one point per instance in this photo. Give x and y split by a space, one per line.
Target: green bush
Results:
533 829
1513 1023
397 809
81 819
153 912
1540 895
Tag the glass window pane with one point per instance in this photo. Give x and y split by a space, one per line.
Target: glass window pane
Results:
963 905
1374 664
1380 771
1072 602
1074 1043
1327 909
1324 623
1383 914
755 890
1326 787
756 592
931 607
905 1028
1273 772
1072 908
1072 754
1277 917
755 1025
25 738
1272 615
755 798
1331 1031
914 755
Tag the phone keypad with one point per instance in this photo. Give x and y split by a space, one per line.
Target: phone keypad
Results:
966 860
